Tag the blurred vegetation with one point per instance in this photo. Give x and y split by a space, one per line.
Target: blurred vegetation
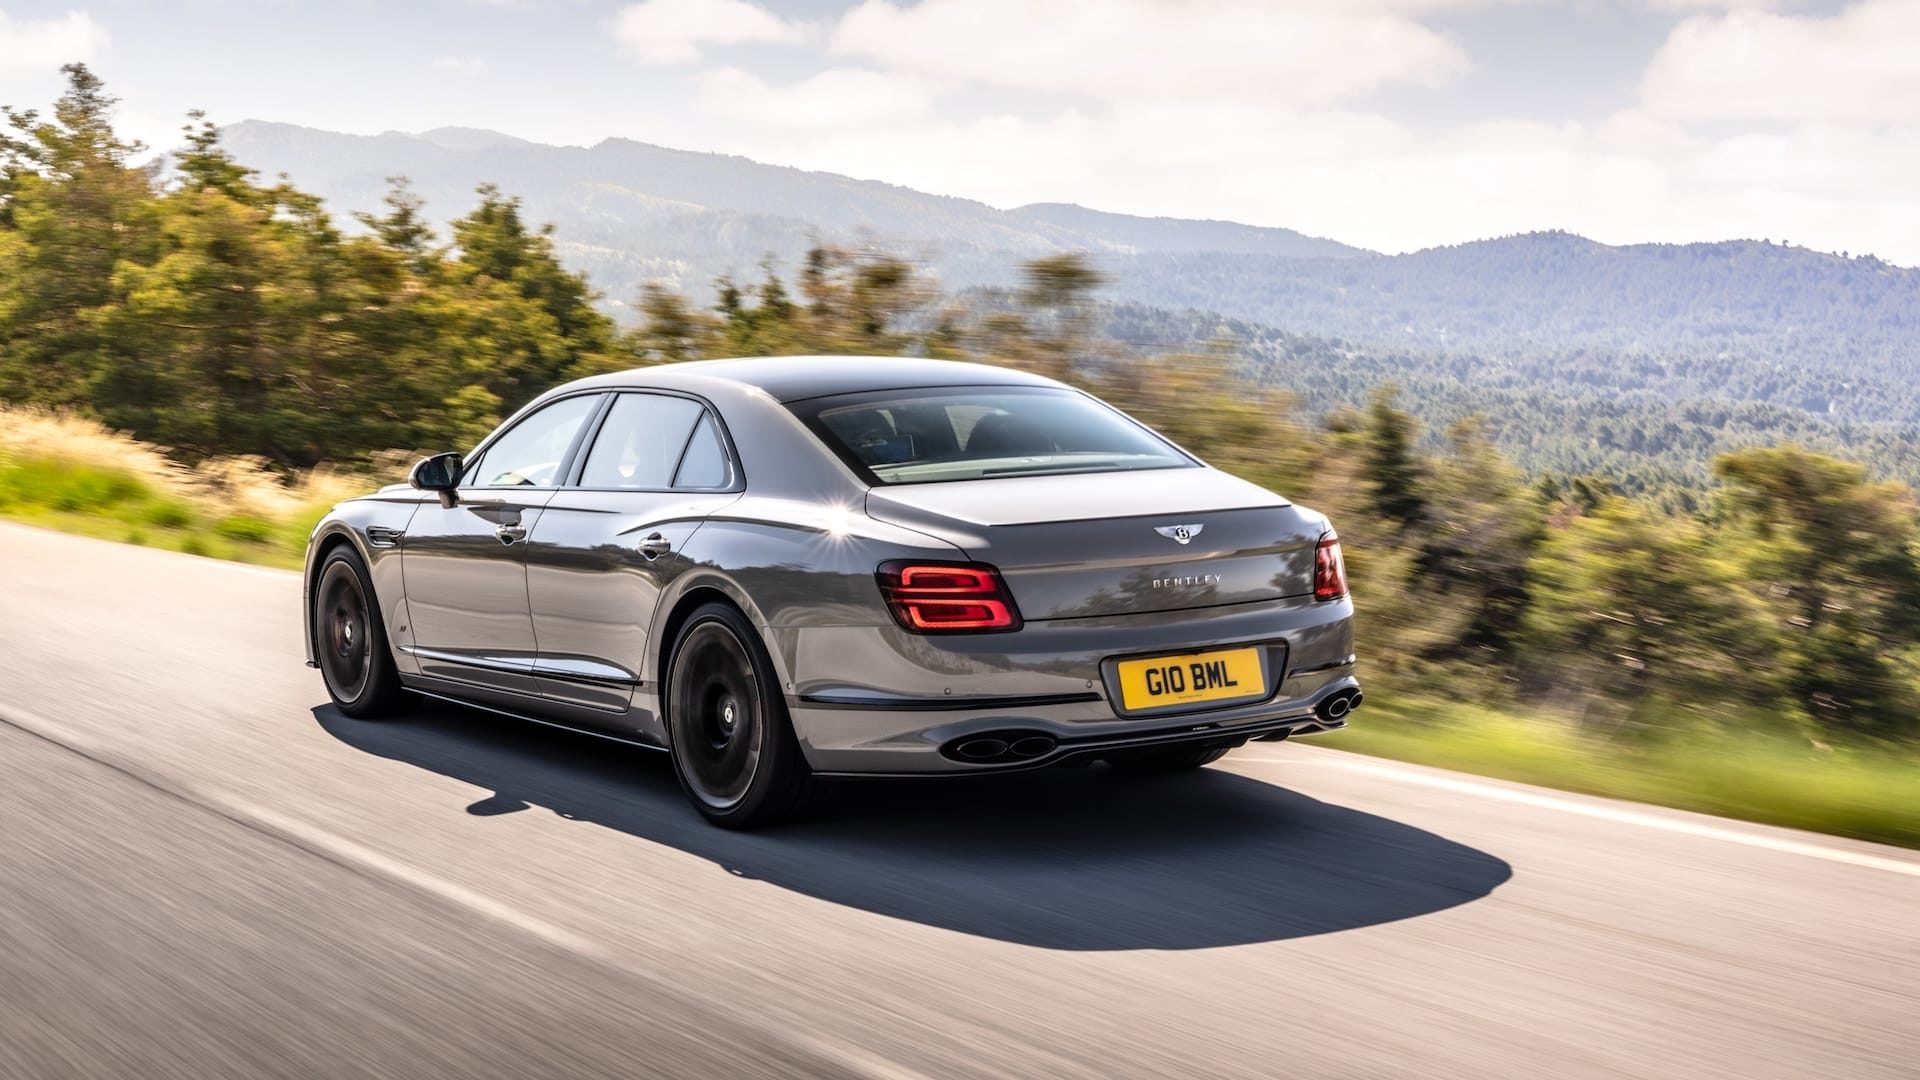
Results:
1856 791
1768 623
71 472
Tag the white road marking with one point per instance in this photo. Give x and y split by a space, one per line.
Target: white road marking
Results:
302 834
856 1061
370 860
1603 812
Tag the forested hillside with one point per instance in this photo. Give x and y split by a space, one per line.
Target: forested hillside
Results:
1555 291
1650 421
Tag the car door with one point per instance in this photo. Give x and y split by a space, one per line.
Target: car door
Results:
609 543
464 565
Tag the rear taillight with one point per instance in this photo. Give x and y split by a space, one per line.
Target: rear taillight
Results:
943 598
1329 569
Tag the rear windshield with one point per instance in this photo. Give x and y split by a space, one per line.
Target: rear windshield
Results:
926 436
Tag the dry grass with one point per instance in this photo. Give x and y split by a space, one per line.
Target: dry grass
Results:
248 486
74 473
38 433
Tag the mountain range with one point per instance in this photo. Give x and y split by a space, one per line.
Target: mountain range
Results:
628 212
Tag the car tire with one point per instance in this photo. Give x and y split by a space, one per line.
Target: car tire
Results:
733 747
1165 759
350 640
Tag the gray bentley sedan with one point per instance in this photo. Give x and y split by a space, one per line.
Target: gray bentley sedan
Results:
788 569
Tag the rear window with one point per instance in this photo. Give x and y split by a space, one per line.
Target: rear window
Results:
976 433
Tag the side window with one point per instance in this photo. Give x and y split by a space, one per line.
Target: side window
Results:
530 455
705 462
640 442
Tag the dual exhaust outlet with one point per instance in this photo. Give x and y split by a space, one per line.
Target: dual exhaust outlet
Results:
1335 706
1001 746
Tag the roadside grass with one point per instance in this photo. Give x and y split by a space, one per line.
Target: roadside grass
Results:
1865 792
75 475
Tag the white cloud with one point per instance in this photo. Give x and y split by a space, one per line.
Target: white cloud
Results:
463 65
1862 64
1154 108
1121 50
674 31
40 44
1718 5
1351 175
839 98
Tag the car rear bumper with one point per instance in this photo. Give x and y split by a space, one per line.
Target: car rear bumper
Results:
878 701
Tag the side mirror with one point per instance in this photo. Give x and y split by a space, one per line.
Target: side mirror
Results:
439 473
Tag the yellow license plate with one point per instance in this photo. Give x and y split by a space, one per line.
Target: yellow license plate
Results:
1220 675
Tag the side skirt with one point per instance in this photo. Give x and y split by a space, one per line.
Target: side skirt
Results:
519 707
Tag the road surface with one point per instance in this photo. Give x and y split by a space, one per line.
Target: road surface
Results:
205 873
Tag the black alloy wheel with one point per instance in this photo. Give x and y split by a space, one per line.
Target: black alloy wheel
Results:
350 641
733 746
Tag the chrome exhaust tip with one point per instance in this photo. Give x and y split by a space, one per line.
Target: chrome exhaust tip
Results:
981 749
1334 707
1032 746
1000 747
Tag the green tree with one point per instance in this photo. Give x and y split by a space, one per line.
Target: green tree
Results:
1835 559
1641 610
403 229
670 329
1053 333
228 340
850 302
1393 475
544 315
1480 527
71 208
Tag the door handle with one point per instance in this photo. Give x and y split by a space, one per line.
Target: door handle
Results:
509 533
655 546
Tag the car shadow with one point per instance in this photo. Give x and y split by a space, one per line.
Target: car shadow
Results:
1076 859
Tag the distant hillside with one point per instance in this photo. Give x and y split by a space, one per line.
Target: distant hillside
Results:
627 212
1555 290
1126 234
1651 418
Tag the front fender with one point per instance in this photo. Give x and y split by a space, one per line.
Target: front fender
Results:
375 528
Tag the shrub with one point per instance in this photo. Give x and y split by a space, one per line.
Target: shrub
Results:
168 514
245 528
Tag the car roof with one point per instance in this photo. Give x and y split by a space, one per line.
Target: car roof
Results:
795 378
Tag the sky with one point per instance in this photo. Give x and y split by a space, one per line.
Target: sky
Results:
1391 124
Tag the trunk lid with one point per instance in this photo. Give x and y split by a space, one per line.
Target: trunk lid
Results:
1077 546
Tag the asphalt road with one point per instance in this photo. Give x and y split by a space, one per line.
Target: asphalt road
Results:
204 872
